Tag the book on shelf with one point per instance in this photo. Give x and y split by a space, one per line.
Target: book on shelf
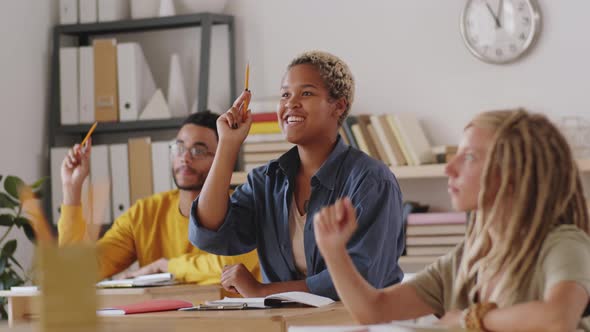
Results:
428 250
396 133
434 229
261 157
154 305
271 301
268 127
444 153
264 117
264 105
386 139
378 145
414 138
434 240
263 138
363 121
347 128
267 147
148 280
430 218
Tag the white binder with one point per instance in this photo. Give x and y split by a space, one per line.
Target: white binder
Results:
177 101
68 11
144 8
100 176
136 82
161 166
112 10
157 108
86 70
68 85
120 175
88 11
57 156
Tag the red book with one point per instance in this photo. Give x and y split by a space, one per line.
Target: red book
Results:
264 117
145 306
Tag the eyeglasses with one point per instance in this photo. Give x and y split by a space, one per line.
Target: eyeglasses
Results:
177 149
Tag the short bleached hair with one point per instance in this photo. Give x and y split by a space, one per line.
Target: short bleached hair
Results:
335 74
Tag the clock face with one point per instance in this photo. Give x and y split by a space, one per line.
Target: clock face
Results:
500 31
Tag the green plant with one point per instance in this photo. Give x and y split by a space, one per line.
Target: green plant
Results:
11 215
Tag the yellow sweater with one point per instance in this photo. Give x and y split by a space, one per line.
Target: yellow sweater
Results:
151 229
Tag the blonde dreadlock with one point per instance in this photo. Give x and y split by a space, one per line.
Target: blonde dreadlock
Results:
539 188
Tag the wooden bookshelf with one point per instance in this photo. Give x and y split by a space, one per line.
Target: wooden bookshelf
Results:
411 172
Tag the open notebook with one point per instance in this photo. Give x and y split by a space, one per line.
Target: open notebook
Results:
158 279
393 327
274 300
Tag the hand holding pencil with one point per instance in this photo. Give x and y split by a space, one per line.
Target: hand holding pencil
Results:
75 168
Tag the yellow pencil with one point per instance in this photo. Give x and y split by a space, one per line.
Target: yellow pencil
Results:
89 133
245 105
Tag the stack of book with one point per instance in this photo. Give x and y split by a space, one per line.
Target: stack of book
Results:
265 141
434 234
395 139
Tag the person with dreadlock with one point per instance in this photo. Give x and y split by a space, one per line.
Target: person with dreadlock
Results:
524 264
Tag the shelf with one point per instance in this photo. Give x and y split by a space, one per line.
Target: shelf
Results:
114 127
147 24
419 172
412 172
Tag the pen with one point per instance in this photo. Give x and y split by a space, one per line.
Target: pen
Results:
245 105
89 133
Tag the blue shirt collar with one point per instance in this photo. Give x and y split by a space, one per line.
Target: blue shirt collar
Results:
289 163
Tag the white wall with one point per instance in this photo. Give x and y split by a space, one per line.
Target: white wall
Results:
409 56
24 89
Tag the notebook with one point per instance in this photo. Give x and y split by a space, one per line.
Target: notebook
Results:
145 306
271 301
148 280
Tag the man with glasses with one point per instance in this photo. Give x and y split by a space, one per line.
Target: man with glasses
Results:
154 231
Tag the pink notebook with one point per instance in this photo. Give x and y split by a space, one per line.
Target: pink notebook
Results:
145 306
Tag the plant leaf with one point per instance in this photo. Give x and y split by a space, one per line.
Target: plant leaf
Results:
29 232
20 221
12 185
1 178
6 220
3 261
39 182
6 202
9 248
16 262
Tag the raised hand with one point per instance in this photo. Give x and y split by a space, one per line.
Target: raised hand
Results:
74 169
233 126
334 225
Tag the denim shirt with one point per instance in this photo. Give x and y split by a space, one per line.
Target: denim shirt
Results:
258 217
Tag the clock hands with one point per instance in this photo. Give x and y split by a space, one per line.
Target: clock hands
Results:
500 14
493 15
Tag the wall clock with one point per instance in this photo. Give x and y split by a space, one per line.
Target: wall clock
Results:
500 31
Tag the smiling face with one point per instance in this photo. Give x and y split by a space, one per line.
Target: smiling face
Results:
306 112
189 171
465 169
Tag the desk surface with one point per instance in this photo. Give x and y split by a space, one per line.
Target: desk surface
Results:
271 320
22 306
